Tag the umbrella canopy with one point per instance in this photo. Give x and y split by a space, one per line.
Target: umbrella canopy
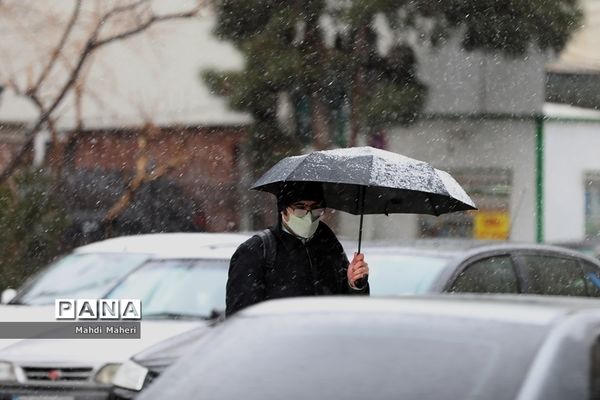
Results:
365 180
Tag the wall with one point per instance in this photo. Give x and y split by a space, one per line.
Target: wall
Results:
462 82
206 164
11 140
479 114
455 144
571 149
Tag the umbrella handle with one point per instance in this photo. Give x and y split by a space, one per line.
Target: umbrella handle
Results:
360 232
362 212
362 282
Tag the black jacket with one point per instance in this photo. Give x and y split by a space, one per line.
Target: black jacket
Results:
317 267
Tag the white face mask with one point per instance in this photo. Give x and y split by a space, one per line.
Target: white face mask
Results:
305 226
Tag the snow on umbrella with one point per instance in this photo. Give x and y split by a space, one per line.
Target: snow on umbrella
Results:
365 180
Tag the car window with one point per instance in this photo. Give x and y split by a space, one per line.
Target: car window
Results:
172 288
592 278
394 274
489 275
554 275
81 275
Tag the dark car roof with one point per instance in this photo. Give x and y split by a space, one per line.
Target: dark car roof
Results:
511 308
453 248
489 346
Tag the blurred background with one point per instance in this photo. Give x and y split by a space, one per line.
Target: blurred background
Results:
127 117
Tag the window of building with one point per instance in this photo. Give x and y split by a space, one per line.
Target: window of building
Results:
490 189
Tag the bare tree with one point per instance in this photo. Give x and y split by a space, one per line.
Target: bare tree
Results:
142 174
110 22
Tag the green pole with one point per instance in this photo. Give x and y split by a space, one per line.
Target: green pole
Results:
539 178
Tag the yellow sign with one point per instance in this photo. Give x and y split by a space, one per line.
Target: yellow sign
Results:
491 225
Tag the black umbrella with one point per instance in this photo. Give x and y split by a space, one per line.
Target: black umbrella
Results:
365 180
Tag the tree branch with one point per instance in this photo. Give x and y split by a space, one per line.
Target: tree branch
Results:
118 10
58 50
141 177
153 19
91 45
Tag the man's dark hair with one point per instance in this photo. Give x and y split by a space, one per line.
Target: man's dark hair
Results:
293 191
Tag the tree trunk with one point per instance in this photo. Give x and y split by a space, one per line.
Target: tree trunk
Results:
358 86
245 180
355 115
314 53
141 164
319 123
55 152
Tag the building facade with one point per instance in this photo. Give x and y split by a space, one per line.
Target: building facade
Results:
531 167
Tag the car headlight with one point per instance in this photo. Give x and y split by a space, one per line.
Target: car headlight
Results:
107 373
7 372
130 376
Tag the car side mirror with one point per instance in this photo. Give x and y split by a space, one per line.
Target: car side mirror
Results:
7 295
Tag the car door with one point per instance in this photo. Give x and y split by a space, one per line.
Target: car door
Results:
592 278
595 371
491 273
567 365
548 273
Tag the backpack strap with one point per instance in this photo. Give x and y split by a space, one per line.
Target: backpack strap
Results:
269 247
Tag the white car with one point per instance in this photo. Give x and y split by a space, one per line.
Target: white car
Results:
180 279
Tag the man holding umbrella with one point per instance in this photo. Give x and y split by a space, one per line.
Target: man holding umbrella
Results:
309 260
301 256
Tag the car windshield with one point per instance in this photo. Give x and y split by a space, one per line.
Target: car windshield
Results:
177 288
376 356
81 275
394 274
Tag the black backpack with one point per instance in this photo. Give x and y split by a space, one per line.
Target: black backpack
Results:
269 247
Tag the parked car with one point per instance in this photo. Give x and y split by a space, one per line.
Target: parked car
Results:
143 368
480 267
591 247
87 272
496 347
423 267
180 279
90 271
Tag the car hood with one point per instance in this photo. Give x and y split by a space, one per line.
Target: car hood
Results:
23 313
93 351
165 352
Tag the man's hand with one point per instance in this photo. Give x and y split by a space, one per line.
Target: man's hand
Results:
357 269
